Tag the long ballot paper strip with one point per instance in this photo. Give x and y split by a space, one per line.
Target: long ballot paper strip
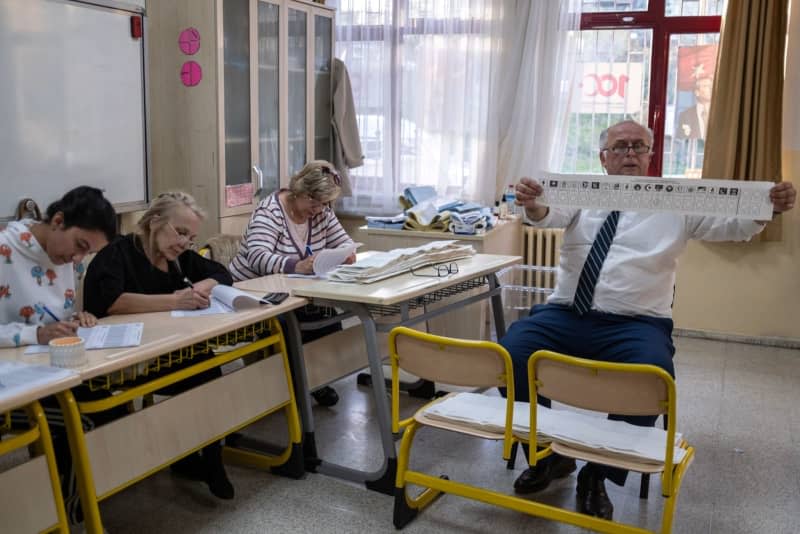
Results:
718 198
580 430
16 377
382 265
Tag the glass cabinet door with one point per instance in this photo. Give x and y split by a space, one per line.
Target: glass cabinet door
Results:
268 91
323 55
236 59
297 72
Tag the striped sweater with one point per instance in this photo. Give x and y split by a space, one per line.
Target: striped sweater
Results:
268 248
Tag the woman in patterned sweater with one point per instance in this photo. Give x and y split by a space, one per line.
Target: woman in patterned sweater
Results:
285 232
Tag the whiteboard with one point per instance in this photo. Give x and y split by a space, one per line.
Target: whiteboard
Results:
72 103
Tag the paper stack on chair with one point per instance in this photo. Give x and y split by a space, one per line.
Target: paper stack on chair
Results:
381 265
579 430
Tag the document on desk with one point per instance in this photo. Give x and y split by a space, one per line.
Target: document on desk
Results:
381 265
105 336
224 299
328 259
16 377
717 198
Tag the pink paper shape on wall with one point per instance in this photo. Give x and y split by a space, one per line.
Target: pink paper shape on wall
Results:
238 195
191 73
189 41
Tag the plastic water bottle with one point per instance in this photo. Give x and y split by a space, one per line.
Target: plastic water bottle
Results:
511 197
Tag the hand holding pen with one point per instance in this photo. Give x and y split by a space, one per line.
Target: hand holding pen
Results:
57 329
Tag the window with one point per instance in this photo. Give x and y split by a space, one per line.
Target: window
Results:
650 61
419 71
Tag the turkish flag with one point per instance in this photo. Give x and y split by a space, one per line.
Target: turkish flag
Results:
695 62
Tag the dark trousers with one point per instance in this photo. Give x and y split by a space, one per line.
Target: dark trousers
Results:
594 336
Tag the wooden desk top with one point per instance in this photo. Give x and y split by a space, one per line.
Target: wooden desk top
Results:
403 287
162 334
22 397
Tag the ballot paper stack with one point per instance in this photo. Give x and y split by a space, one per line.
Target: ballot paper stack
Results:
381 265
577 429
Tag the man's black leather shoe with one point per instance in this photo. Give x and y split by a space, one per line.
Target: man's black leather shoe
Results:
538 478
592 497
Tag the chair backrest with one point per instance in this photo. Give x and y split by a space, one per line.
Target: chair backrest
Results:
624 389
448 360
223 248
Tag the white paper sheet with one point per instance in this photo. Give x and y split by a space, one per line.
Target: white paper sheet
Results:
577 429
718 198
224 299
328 259
109 336
17 376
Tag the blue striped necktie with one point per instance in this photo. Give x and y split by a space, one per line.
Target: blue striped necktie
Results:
584 294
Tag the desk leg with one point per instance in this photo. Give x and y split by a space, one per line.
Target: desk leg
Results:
81 464
383 479
302 394
497 308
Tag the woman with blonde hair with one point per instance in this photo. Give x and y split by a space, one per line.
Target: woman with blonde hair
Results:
155 269
286 230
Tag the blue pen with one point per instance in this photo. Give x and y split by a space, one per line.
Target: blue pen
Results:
51 314
309 252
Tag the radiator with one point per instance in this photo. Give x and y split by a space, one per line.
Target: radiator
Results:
541 249
532 282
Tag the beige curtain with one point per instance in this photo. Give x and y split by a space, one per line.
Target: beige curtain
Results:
744 126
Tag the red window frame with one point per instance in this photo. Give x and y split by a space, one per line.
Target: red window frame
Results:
663 28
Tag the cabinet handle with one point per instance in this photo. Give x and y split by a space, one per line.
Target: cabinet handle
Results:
260 190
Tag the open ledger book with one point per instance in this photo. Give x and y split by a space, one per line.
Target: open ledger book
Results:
224 299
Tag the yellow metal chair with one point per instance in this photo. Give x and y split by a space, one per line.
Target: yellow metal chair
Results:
450 361
625 389
31 499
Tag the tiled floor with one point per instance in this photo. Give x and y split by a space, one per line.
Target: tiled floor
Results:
737 405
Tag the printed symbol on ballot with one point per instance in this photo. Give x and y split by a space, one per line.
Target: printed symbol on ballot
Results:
723 190
553 183
637 187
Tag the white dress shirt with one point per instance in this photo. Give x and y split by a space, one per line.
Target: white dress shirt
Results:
638 275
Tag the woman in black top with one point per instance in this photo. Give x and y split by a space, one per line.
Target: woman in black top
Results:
155 269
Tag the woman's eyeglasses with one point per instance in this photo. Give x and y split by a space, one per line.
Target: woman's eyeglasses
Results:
333 174
184 239
439 270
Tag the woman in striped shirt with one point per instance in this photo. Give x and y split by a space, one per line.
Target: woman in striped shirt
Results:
286 230
291 225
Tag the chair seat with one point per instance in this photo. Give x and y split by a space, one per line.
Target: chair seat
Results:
453 425
599 457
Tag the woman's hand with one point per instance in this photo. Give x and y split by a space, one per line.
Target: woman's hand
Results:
189 299
305 266
204 287
53 330
349 260
85 319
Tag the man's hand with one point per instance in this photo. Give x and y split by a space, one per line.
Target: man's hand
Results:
528 191
783 196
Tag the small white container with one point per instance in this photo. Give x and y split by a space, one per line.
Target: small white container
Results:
69 352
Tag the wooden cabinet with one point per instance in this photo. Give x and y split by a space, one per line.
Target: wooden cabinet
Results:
260 108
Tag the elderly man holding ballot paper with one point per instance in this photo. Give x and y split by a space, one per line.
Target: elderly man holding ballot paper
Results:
613 299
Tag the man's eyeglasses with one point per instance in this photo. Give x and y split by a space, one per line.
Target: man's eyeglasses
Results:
183 238
440 270
622 149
